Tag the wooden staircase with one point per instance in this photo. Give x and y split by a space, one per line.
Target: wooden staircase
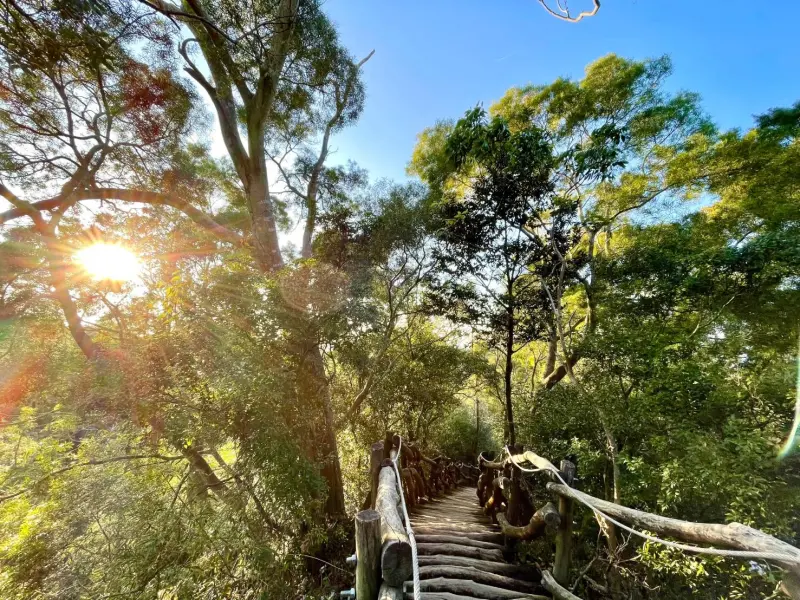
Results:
461 553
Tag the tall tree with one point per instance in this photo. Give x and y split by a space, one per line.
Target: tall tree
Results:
260 69
493 187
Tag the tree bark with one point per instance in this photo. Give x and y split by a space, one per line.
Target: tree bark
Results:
731 535
368 553
396 564
551 585
545 517
511 439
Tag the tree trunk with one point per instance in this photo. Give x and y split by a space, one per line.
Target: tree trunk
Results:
512 438
552 353
265 233
326 448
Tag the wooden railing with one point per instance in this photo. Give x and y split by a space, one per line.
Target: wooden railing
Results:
500 493
383 549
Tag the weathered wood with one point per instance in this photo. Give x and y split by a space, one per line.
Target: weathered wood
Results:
731 535
396 563
456 550
375 459
368 553
564 534
484 486
478 576
499 485
519 511
410 488
449 526
419 483
388 592
551 585
465 587
525 457
485 536
524 572
545 517
456 539
409 595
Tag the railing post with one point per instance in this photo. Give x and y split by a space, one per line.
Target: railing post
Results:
564 534
368 554
375 460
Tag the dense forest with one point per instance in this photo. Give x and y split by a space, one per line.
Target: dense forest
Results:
197 351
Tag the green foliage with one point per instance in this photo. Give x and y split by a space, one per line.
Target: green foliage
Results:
192 452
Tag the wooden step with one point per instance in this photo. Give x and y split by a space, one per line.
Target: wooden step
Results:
525 572
465 587
479 576
456 539
483 535
457 550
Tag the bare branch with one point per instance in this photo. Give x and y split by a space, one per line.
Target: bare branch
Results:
567 17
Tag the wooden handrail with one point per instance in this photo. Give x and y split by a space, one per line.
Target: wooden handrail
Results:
733 536
422 478
730 535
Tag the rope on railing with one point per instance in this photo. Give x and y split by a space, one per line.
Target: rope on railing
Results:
409 531
776 556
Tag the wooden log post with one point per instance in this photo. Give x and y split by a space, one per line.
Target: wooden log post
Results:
368 554
388 592
519 510
499 485
396 566
375 460
564 534
410 488
484 485
419 483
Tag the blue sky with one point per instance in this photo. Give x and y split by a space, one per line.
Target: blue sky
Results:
435 59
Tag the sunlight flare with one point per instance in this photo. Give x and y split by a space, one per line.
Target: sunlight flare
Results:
108 262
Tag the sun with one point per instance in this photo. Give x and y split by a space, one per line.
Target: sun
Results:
108 262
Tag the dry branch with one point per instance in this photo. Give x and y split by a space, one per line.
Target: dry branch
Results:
552 586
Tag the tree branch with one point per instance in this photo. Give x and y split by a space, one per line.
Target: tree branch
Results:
127 195
99 461
567 17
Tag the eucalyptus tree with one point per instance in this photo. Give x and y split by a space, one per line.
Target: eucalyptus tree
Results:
275 68
278 70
